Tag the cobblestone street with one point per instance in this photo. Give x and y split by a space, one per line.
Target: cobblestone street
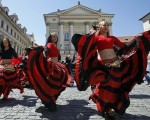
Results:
72 105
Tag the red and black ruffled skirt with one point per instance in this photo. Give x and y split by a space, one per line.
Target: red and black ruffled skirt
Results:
48 79
112 84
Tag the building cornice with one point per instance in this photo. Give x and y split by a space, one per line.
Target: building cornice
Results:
144 16
13 23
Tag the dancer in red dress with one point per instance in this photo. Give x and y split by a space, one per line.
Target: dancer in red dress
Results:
114 73
47 76
9 59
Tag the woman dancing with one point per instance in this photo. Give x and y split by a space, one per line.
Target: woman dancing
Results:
47 76
114 72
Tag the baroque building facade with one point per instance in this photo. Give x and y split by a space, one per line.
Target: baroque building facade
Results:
77 19
146 21
9 28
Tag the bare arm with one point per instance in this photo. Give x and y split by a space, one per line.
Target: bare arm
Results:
53 59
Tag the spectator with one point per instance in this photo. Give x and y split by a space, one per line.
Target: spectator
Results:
7 52
147 75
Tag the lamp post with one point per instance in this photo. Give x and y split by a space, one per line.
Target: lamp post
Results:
60 46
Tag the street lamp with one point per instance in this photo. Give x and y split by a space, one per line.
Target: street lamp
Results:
60 46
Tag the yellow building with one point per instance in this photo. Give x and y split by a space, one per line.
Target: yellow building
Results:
77 19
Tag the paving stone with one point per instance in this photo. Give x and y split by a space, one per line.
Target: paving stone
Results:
71 105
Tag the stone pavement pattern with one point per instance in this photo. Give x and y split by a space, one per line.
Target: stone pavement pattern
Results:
71 105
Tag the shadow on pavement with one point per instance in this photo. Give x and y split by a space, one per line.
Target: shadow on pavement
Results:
133 117
74 110
78 110
29 101
140 96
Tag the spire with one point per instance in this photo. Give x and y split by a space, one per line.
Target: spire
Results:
78 2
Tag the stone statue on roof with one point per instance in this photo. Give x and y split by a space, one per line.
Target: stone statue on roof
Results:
0 3
78 2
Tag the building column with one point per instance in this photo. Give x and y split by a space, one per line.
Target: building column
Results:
110 29
11 43
47 30
71 34
15 46
61 36
87 27
20 51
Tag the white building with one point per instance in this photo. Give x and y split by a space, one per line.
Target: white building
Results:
146 21
17 34
77 19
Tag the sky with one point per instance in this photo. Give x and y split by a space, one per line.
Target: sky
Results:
125 21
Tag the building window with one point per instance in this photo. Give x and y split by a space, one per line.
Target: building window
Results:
66 36
66 47
15 34
7 28
11 32
17 37
2 24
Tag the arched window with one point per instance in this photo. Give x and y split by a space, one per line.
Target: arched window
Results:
66 36
66 46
